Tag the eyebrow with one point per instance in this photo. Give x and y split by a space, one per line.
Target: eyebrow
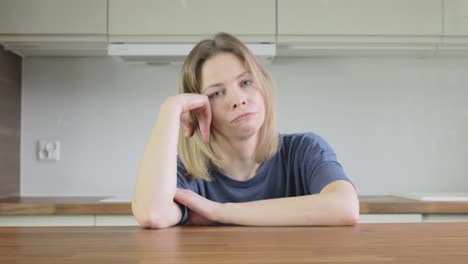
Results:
219 84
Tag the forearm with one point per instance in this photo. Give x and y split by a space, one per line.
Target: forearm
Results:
310 210
156 179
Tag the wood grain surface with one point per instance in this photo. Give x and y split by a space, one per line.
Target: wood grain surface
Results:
62 206
366 243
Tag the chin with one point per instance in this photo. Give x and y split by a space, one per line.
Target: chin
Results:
247 132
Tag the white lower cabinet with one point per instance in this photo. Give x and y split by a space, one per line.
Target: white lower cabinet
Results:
47 220
68 220
129 220
116 220
390 218
445 218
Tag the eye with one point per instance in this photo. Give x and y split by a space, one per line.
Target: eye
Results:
246 83
216 94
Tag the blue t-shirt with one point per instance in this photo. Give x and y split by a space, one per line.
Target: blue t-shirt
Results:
303 165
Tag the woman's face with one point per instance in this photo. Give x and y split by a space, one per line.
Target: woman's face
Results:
232 92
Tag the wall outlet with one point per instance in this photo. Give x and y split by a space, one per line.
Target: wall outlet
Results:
48 150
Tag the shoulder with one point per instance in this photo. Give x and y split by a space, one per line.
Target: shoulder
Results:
303 139
306 144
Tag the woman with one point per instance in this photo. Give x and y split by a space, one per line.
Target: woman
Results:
233 167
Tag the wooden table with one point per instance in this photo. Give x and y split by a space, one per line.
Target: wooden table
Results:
365 243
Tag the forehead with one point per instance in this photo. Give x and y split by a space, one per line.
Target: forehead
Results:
224 67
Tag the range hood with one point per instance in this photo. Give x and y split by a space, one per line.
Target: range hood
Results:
175 53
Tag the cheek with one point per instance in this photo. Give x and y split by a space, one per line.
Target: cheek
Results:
215 113
259 99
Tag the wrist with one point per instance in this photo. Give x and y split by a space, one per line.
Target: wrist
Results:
171 105
223 213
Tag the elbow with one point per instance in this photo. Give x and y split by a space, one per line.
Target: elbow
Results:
344 210
150 219
351 213
350 219
342 203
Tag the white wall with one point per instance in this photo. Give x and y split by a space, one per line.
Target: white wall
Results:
397 125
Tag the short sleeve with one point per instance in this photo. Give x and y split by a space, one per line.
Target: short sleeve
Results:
182 183
320 164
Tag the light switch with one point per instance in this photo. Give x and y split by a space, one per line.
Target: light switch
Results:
48 150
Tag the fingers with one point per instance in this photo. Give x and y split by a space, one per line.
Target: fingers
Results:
198 206
191 101
188 127
191 199
194 202
200 106
184 197
204 122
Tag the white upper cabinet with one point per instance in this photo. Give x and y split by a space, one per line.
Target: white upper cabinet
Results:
359 20
190 20
57 17
54 27
456 18
299 27
455 36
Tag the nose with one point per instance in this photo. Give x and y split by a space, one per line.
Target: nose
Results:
238 99
243 102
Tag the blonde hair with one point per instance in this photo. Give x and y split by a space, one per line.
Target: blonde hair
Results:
198 156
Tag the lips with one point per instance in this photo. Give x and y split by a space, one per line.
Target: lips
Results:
243 116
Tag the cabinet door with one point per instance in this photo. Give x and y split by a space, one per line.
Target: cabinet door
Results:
190 20
456 18
53 17
116 220
47 220
390 218
445 218
359 18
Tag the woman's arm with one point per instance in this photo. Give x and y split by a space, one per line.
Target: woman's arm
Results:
153 201
153 204
337 204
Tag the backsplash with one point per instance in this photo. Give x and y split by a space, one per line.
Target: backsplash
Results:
397 124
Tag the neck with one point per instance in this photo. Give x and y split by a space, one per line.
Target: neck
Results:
238 157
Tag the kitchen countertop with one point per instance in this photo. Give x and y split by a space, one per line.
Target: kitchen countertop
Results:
375 204
62 206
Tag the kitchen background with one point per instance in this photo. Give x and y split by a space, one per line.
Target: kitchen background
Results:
399 124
